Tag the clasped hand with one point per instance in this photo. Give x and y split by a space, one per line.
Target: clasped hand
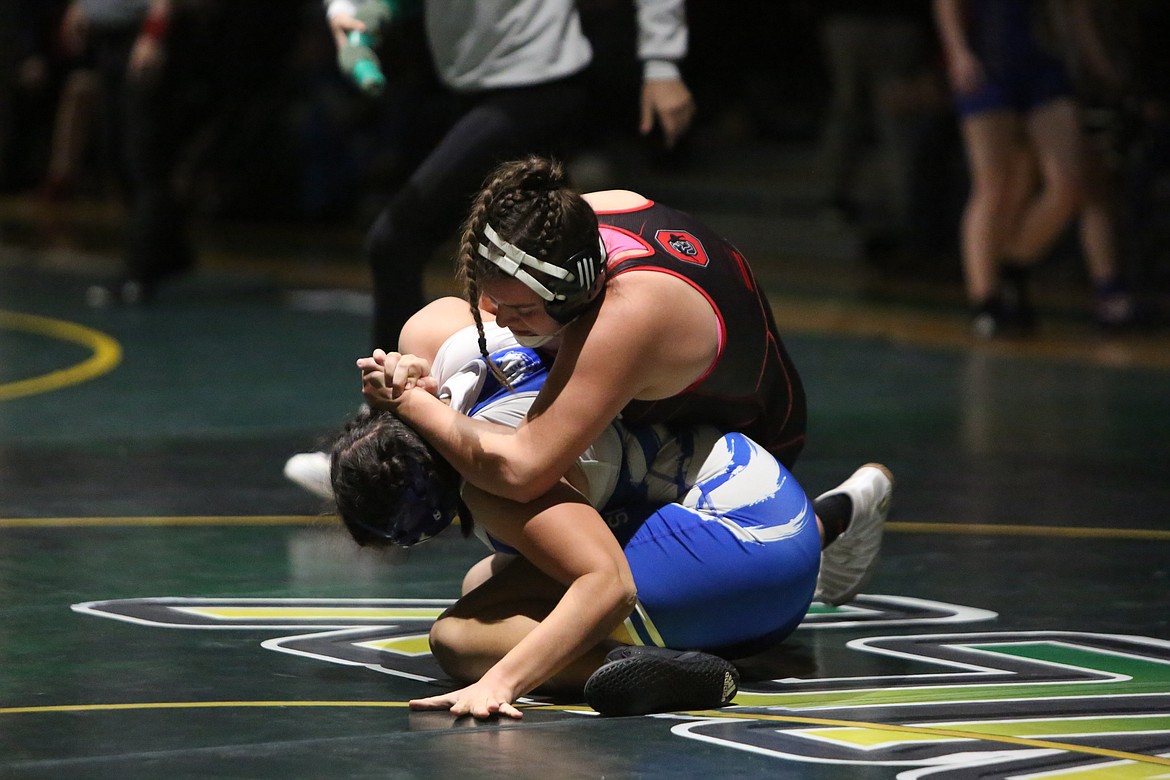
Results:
387 376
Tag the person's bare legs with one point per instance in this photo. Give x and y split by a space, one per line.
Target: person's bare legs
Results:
1027 182
991 139
1055 136
1011 303
1047 191
1113 302
1098 240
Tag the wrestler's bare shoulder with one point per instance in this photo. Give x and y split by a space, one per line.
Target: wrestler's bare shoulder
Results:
615 200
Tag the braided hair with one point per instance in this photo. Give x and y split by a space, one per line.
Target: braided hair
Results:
529 204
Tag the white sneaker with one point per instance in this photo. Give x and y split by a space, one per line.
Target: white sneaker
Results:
310 470
849 562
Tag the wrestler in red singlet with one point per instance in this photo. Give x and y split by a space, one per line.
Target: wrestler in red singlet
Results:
753 386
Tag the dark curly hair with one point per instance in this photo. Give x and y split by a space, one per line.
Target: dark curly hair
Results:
391 487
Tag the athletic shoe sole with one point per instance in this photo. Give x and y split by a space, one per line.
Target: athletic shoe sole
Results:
849 563
646 680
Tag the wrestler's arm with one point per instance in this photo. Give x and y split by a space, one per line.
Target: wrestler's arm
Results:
963 68
567 540
628 349
948 17
1090 43
421 342
662 44
430 326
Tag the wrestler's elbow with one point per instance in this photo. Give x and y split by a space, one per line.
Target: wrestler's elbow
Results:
524 483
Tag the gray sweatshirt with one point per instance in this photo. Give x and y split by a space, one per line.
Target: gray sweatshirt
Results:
115 13
486 44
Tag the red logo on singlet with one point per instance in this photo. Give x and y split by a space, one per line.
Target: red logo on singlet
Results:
682 245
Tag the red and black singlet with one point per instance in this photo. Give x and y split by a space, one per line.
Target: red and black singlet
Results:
752 386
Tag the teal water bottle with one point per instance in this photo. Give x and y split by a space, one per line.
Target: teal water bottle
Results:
357 57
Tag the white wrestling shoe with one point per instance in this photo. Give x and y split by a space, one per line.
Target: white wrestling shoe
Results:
310 470
849 562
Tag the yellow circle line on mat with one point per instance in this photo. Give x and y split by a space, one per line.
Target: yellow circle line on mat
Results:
107 353
712 714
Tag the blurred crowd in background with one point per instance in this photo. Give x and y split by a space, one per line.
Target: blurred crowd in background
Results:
264 125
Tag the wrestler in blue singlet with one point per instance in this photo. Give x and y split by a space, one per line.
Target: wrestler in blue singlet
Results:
721 539
725 549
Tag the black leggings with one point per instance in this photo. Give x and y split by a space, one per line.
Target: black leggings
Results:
492 127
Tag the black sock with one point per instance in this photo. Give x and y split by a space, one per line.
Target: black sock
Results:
835 512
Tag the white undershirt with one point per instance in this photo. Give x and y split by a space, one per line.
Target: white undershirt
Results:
460 370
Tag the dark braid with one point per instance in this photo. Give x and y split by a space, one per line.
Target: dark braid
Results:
528 202
466 260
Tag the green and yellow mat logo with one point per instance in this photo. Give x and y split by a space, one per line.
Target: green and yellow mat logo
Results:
1024 704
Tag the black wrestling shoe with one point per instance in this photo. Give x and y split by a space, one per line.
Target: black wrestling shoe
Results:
645 680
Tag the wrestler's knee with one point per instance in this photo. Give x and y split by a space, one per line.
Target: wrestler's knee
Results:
448 641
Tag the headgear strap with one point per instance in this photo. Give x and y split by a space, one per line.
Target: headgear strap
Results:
510 259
